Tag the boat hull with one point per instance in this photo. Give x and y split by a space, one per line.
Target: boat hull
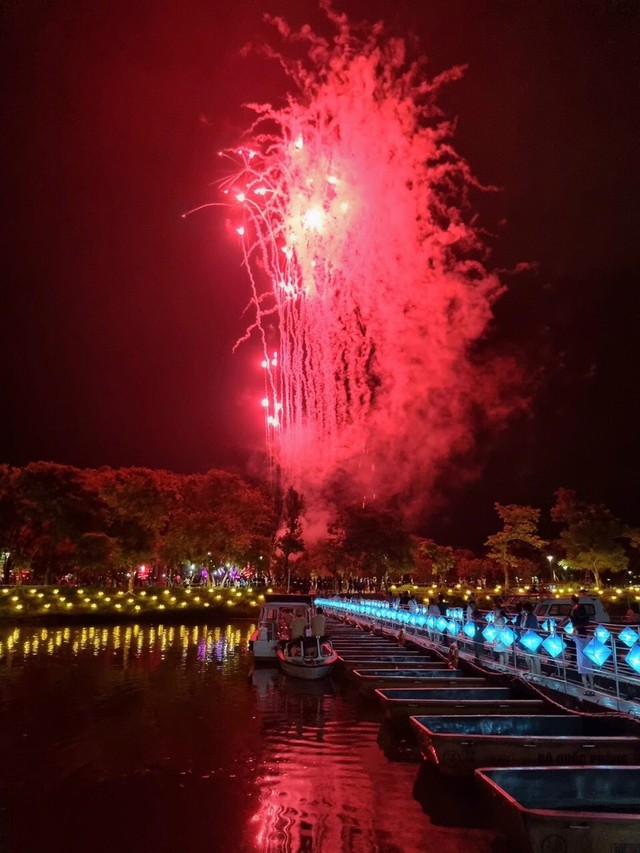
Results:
369 681
570 809
399 704
305 664
459 745
391 662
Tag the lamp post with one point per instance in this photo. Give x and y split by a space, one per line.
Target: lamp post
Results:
551 569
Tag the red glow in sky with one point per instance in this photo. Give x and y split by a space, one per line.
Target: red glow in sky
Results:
357 241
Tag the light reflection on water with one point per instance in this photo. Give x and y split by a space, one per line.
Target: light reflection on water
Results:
167 732
132 641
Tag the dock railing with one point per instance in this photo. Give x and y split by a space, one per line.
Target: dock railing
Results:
605 671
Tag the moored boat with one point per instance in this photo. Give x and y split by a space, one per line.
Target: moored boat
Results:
399 704
458 745
275 616
571 809
363 664
370 680
310 658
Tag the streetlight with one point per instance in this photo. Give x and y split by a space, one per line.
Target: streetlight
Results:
551 569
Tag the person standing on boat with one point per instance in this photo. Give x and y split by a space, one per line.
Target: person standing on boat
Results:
580 619
297 630
319 624
298 626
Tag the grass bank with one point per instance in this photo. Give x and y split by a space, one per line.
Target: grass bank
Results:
78 604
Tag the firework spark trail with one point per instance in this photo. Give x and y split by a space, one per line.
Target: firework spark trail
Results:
356 240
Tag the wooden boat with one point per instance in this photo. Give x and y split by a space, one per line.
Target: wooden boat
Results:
459 745
369 680
399 703
311 658
570 809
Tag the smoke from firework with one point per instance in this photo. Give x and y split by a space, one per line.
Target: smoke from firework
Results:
360 253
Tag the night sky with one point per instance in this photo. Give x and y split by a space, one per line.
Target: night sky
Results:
119 316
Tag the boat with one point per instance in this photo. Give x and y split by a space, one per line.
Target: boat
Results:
572 809
273 621
394 662
399 703
459 745
310 658
369 680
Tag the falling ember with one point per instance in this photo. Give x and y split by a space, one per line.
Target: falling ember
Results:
357 244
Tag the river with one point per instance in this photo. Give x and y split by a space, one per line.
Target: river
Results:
162 739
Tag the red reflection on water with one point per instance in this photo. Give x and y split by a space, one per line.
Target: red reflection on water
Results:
324 784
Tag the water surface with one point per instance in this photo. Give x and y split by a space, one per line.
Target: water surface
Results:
137 738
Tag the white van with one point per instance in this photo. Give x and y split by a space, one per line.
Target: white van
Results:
560 608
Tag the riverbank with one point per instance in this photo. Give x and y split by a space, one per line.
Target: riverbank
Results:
50 604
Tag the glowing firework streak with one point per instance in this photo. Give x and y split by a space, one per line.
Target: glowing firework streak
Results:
358 251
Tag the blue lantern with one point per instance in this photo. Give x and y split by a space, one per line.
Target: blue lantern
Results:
568 628
506 636
490 633
452 627
597 651
441 623
601 634
470 630
431 622
554 645
531 641
633 658
628 636
549 625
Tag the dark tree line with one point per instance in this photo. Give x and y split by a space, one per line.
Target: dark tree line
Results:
101 524
96 523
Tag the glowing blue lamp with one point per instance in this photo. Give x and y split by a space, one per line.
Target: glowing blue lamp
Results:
554 645
431 622
601 634
531 641
629 637
470 630
549 625
568 628
597 651
452 627
506 636
441 623
490 633
633 658
420 621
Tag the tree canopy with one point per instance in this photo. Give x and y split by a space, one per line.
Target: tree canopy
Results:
518 537
590 536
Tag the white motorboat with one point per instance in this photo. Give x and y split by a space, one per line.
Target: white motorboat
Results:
273 624
310 658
